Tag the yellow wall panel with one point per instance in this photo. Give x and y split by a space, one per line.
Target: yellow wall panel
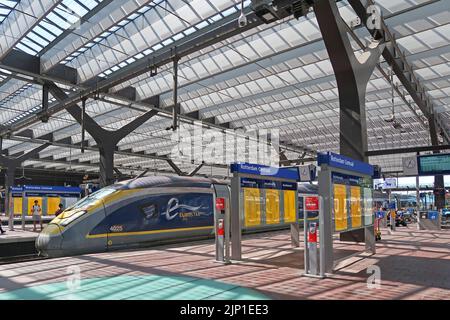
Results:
340 207
355 206
272 206
289 206
17 201
52 205
252 207
31 204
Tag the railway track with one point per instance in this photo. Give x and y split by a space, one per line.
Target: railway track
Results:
20 258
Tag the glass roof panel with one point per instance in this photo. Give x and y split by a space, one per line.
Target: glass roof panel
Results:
6 7
66 15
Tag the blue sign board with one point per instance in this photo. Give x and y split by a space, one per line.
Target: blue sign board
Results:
393 205
433 215
379 214
261 170
46 189
346 179
342 162
52 189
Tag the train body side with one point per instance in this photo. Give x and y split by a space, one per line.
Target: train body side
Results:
132 218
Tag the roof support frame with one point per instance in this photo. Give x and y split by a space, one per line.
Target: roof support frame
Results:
405 73
106 140
11 163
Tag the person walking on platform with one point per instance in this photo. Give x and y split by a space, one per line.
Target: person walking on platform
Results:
1 228
36 212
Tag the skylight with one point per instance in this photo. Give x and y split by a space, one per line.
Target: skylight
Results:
6 6
121 24
67 15
174 37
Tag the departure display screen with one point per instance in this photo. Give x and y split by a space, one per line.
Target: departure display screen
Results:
434 164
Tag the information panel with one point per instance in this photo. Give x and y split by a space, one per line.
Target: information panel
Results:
268 202
18 203
53 204
272 206
434 164
290 215
352 201
355 206
368 206
340 207
252 207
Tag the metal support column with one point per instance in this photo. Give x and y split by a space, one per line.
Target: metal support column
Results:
105 139
175 110
11 164
395 57
45 100
352 75
236 228
83 131
106 150
325 223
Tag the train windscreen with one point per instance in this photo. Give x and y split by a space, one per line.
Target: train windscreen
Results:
97 195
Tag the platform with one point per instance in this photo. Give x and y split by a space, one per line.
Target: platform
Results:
18 242
19 235
414 265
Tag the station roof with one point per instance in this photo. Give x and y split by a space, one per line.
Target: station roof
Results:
276 75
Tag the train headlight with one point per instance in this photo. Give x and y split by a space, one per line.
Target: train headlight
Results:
65 221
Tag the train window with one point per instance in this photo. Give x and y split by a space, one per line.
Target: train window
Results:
83 203
150 211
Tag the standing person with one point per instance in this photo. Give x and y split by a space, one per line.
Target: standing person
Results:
1 228
36 211
60 210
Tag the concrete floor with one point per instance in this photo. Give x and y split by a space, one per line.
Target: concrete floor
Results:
413 265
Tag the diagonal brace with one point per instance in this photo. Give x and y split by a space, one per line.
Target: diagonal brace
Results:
106 140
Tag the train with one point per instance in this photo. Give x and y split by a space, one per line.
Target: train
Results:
137 213
133 213
141 212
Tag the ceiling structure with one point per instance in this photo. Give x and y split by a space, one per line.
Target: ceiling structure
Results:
274 76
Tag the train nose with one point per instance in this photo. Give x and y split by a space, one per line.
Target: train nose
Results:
48 243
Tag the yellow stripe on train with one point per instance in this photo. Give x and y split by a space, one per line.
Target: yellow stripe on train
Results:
138 233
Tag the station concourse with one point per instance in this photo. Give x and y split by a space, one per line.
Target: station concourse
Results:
225 150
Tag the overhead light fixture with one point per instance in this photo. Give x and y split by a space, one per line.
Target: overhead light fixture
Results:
265 10
242 20
390 119
301 8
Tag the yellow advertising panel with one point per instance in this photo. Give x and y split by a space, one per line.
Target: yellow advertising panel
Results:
272 206
17 201
31 204
289 206
355 206
52 205
252 207
340 207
